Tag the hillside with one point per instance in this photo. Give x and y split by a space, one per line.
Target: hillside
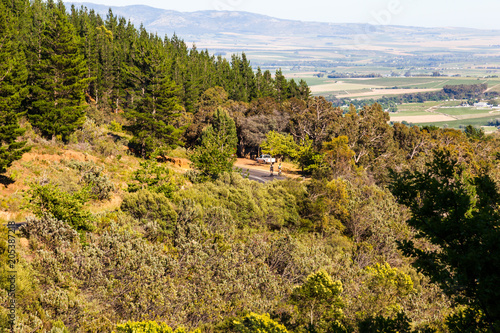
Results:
118 150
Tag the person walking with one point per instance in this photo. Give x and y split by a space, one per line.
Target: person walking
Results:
279 169
271 169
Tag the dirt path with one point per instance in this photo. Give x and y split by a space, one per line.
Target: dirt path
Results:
288 168
496 85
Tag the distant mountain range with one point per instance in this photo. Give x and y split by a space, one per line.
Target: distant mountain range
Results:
201 23
233 31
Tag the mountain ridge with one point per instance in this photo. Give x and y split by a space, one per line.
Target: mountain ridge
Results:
213 21
273 41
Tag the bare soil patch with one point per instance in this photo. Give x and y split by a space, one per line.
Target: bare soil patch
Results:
423 119
65 155
376 92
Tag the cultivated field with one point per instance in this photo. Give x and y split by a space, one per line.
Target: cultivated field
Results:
442 114
382 92
360 88
429 118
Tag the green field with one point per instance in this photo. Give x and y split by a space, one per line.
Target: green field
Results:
467 112
374 88
477 122
340 86
414 109
463 115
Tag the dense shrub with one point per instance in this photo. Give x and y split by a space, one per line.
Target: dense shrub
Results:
249 203
93 177
96 138
148 327
51 231
400 323
146 205
258 323
68 207
154 177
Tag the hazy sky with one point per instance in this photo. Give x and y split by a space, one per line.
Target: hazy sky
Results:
483 14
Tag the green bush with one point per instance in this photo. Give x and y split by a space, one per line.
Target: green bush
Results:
250 203
154 177
96 138
258 323
51 231
399 324
146 205
94 178
48 199
115 126
318 300
148 327
59 327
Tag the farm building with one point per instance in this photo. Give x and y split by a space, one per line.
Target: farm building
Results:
481 105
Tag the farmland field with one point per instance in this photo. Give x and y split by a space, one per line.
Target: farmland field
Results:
477 122
414 109
384 86
454 117
466 112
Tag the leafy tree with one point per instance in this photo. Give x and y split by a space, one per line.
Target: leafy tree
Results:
318 299
148 327
59 78
368 133
467 320
308 158
338 156
216 151
13 77
279 145
208 103
399 323
386 286
258 323
411 140
455 206
473 132
315 118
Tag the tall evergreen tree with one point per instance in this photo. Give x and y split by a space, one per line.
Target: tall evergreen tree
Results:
281 86
59 78
153 117
455 207
13 76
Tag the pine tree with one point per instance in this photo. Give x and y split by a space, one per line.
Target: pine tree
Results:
59 78
281 86
159 104
13 76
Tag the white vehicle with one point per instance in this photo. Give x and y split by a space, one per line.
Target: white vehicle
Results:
266 158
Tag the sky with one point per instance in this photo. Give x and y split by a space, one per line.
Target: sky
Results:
481 14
